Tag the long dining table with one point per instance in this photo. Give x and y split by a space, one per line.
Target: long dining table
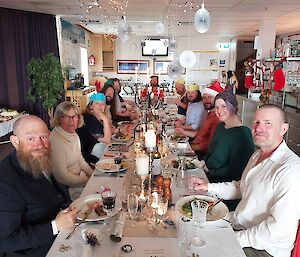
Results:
219 236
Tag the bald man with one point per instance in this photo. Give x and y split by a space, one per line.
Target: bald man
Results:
30 199
266 219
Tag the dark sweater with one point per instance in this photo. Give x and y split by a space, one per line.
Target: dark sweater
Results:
88 135
228 153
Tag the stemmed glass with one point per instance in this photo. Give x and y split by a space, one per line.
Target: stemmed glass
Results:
132 207
109 200
199 209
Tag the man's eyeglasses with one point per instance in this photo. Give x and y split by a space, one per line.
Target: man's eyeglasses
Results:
74 117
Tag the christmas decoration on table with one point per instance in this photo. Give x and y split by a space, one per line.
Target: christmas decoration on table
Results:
202 20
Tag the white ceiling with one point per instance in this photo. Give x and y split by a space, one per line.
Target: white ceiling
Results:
229 18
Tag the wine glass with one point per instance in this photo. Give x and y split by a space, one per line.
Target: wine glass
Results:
109 200
199 210
132 207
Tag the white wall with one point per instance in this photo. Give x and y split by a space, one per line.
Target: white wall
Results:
132 51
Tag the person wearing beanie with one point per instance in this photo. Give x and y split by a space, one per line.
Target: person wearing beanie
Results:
203 136
231 145
195 112
96 128
181 101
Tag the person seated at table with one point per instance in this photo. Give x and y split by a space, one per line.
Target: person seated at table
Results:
69 166
267 217
203 136
196 112
231 145
30 198
155 92
109 92
95 132
126 104
181 101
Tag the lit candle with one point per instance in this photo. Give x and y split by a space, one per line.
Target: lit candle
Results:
150 139
154 204
136 71
142 164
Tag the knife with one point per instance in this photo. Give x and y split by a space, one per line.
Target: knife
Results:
78 224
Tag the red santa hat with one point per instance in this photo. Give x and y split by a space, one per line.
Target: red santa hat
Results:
214 89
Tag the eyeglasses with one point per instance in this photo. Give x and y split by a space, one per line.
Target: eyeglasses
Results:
69 118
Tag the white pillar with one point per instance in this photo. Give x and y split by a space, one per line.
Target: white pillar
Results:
267 35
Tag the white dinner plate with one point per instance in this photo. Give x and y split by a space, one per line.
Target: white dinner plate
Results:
177 138
83 202
120 139
217 212
107 166
169 161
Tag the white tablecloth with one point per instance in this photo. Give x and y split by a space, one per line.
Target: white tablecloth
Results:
7 126
221 241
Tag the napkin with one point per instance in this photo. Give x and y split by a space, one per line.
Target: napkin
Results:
98 150
87 250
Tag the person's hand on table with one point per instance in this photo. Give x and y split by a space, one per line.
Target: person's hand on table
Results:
180 131
65 219
199 184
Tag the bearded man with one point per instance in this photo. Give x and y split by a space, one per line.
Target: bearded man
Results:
30 199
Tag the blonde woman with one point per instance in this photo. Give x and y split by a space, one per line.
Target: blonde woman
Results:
68 165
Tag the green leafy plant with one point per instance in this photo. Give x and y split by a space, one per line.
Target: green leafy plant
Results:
47 83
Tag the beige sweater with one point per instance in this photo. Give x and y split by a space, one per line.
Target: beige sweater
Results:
68 165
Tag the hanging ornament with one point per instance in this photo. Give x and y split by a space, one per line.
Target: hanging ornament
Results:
187 59
159 28
143 43
166 42
153 51
124 30
172 43
175 70
202 20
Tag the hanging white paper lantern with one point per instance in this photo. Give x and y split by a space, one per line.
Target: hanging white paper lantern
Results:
124 31
202 20
159 28
187 59
175 70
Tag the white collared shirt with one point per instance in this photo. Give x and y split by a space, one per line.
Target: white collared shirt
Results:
269 211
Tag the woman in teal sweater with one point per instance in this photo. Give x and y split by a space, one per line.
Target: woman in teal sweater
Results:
231 145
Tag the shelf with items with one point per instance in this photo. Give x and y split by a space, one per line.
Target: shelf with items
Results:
79 96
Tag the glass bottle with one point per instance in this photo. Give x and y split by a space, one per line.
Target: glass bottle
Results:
181 174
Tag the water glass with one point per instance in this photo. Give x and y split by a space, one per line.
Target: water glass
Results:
184 239
109 200
199 210
132 207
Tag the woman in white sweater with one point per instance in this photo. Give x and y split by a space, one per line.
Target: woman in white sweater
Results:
68 165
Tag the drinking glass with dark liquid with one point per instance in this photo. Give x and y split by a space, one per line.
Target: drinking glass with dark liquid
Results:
109 201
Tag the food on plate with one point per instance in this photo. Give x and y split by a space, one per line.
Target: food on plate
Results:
187 207
99 211
107 166
188 165
122 136
93 206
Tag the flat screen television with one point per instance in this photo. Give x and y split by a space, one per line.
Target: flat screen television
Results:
155 47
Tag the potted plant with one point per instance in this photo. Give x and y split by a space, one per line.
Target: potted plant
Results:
47 83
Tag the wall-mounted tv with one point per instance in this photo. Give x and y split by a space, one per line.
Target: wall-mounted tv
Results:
155 47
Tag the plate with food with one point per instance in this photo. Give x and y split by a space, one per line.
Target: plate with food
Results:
91 208
122 137
189 165
107 165
216 212
177 138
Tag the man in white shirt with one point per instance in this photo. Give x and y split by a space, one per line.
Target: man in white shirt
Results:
266 219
